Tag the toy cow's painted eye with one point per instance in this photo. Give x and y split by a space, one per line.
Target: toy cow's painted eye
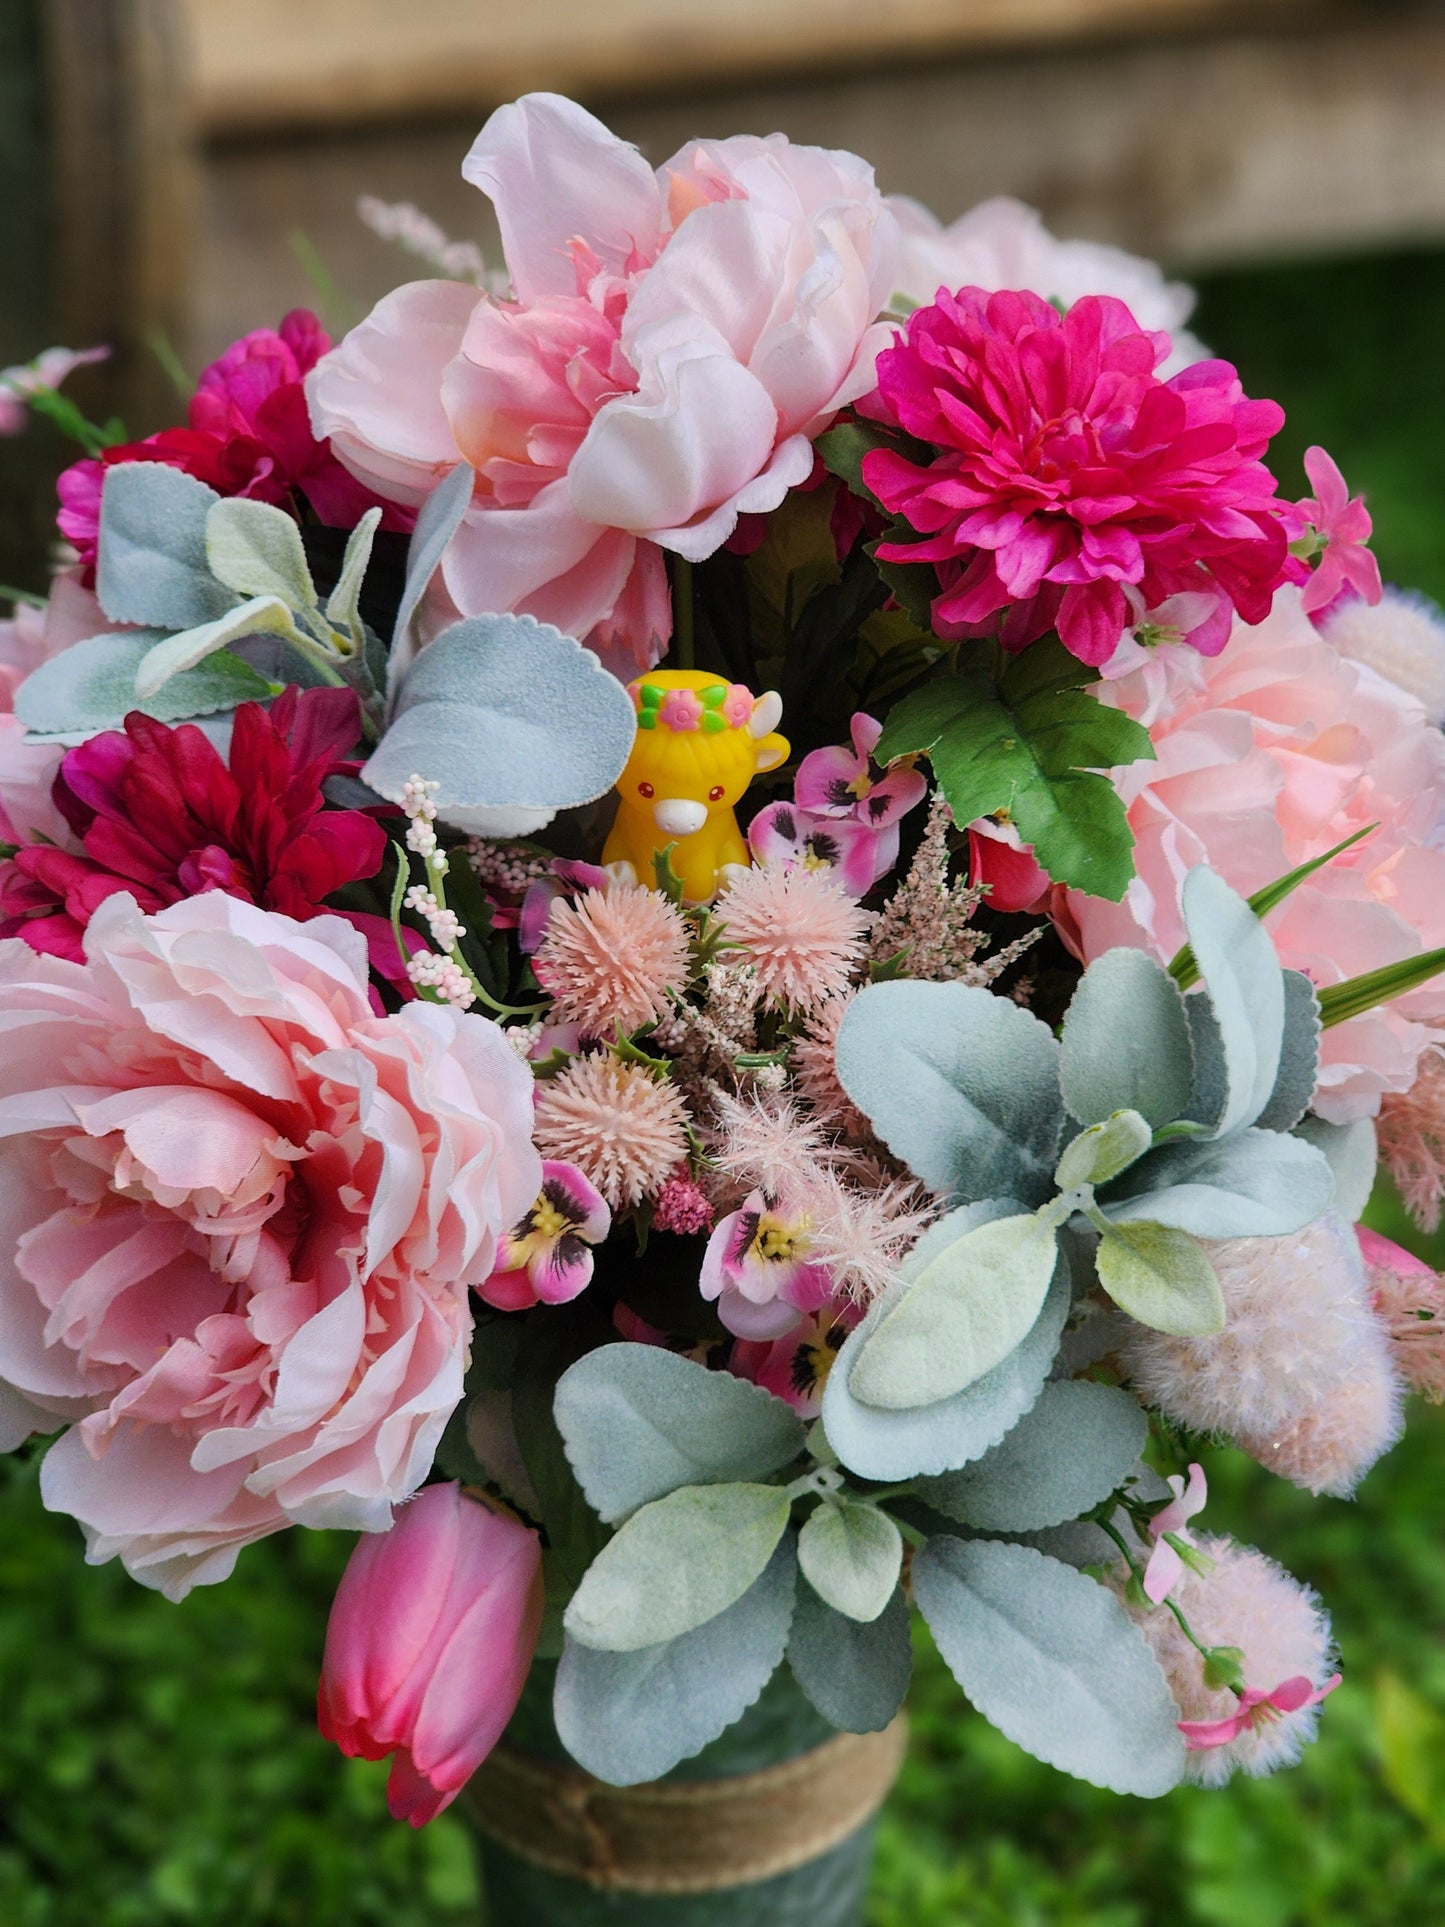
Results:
646 789
716 793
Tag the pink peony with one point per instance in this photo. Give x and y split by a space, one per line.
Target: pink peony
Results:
675 340
243 1217
247 434
429 1644
1070 487
1268 755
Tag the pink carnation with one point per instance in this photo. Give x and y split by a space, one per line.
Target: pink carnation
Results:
1268 755
244 1217
675 340
1071 488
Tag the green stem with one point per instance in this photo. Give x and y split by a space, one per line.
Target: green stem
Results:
1137 1572
682 610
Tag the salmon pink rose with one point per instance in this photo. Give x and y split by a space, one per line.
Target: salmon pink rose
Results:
676 339
242 1216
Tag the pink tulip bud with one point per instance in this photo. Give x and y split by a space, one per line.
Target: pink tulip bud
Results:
431 1636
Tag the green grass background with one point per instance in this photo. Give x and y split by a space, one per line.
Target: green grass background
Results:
160 1764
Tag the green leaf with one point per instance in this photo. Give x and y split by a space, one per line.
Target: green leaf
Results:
1103 1150
1026 747
1161 1277
92 686
1246 991
960 1084
1125 1042
1340 1002
1052 1660
935 1438
855 1672
437 522
554 1337
1252 1184
638 1421
630 1717
843 449
256 550
964 1311
1078 1444
851 1555
266 616
343 605
152 565
676 1564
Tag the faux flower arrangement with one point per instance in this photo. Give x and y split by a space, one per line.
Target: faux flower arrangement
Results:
683 1230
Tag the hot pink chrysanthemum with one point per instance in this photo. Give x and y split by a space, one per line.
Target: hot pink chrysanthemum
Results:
610 959
622 1127
1070 487
801 932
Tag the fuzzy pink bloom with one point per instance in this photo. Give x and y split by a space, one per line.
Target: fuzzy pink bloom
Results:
813 1062
1301 1376
1269 755
1409 1301
1165 1567
1411 1134
429 1644
624 1128
682 1206
1401 637
675 340
546 1257
1343 524
1278 1626
244 1216
801 932
610 959
1070 487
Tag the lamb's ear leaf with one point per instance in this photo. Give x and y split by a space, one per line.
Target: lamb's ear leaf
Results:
512 719
1101 1152
1353 1154
1078 1444
856 1673
630 1717
1161 1277
440 518
1253 1184
264 616
1299 1056
1242 975
256 550
962 1085
92 686
151 566
851 1555
1125 1042
1052 1659
343 605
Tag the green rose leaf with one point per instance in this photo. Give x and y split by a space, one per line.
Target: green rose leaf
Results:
966 1309
1029 745
676 1564
851 1555
1161 1277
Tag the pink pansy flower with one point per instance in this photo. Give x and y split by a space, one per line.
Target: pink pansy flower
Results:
836 782
566 878
758 1269
1065 473
1342 523
675 340
783 833
1256 1709
1165 1565
841 817
795 1367
546 1258
429 1644
244 1216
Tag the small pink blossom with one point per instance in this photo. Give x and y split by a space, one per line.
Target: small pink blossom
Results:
795 1368
758 1267
1343 525
1256 1710
47 371
429 1644
680 710
546 1258
682 1206
1165 1566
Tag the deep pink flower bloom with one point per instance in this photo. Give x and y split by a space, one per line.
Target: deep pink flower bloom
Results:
682 1206
546 1258
1343 521
796 1367
1165 1565
1255 1709
430 1640
158 814
1071 488
840 818
1016 880
248 433
836 782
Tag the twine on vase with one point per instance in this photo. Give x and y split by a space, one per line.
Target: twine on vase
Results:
685 1836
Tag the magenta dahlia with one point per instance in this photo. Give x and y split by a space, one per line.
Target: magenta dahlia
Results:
1069 486
157 812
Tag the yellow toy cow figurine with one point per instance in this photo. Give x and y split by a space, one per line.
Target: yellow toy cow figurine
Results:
700 741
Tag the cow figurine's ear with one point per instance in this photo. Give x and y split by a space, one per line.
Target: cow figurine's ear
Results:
772 749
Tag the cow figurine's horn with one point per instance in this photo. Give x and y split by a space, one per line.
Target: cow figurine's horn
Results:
767 714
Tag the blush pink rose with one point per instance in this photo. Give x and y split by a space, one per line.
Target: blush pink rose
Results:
241 1219
1270 754
676 339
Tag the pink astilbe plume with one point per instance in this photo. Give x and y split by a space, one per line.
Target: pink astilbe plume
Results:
1301 1376
681 1205
1412 1140
610 959
1282 1634
1068 486
1409 1300
814 1064
623 1128
801 932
